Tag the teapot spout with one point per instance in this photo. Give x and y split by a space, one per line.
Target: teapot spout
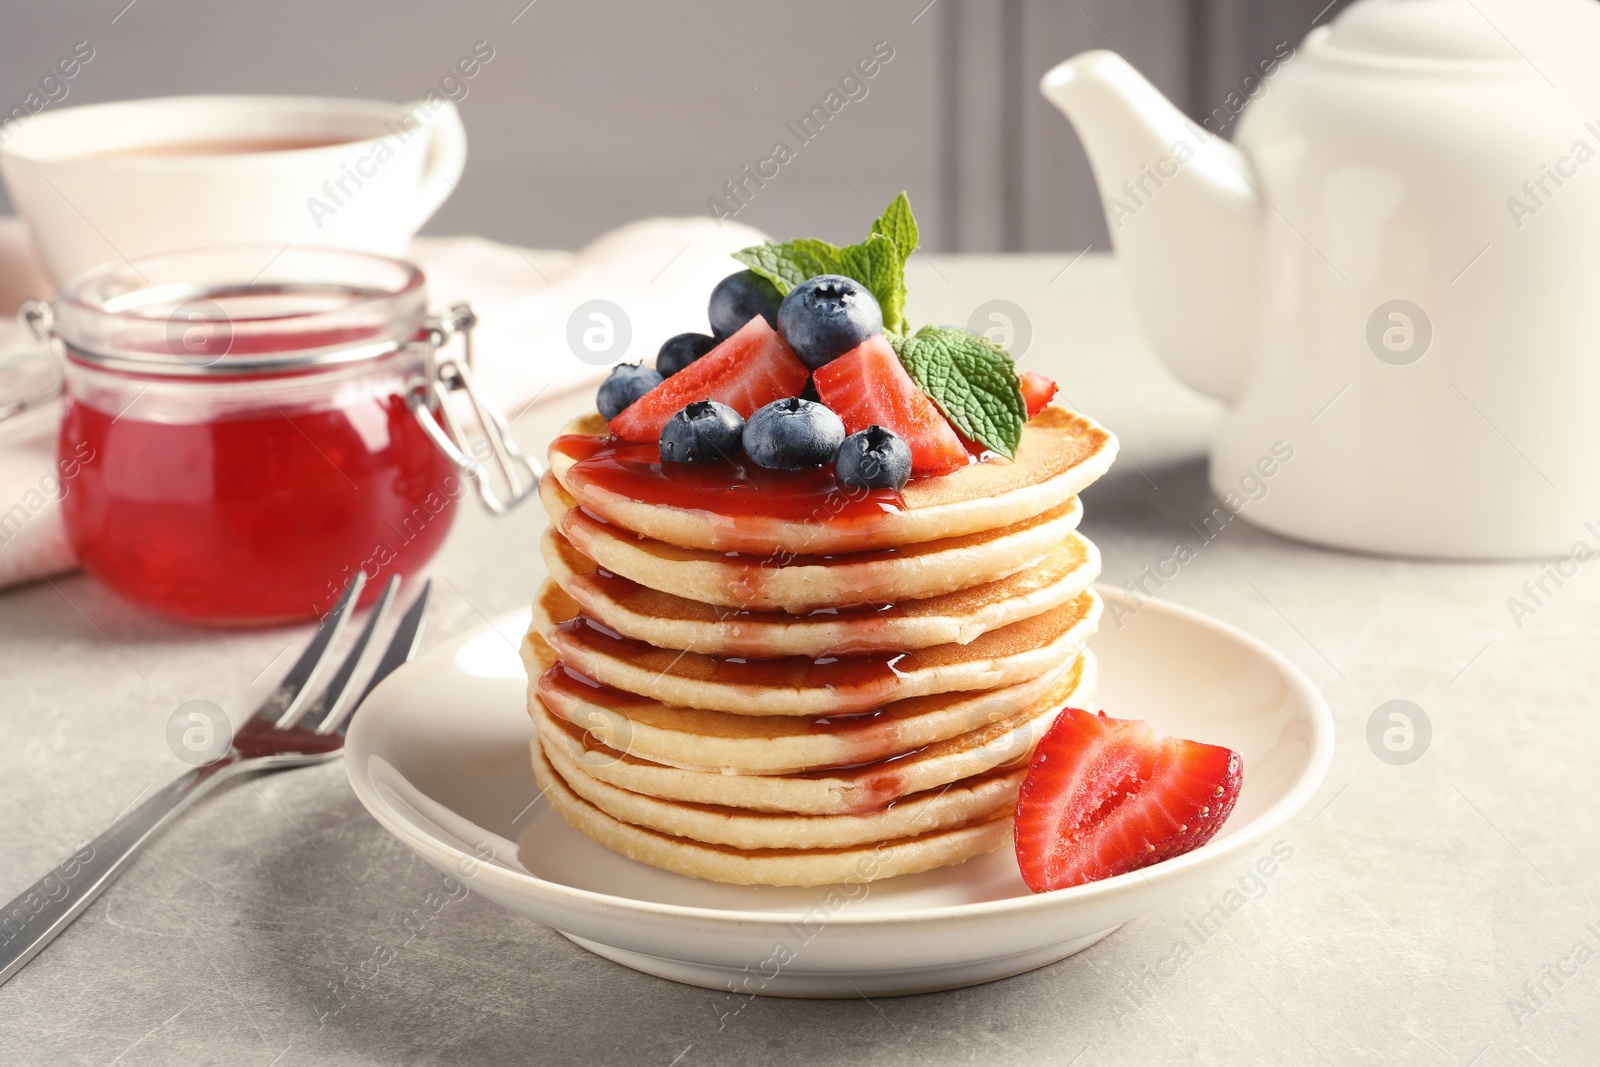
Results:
1184 216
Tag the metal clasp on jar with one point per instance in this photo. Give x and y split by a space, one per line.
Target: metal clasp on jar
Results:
30 375
429 396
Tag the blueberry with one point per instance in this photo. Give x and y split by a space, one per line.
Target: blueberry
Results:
874 458
626 383
793 434
827 316
740 297
702 432
680 351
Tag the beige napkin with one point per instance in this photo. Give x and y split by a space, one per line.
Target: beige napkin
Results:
659 272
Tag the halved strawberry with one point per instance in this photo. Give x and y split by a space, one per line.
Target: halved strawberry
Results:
1106 796
867 386
1037 391
748 370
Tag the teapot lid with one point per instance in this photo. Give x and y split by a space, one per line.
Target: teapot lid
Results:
1448 30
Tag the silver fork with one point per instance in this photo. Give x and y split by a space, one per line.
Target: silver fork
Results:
290 729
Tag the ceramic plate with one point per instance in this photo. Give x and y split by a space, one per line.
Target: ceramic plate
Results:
439 754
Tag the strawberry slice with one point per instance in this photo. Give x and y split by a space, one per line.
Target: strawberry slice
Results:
1106 796
1037 391
867 385
750 369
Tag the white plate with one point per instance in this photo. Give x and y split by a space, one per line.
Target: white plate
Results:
439 755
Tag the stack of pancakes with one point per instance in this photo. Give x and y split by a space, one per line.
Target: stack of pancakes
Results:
804 702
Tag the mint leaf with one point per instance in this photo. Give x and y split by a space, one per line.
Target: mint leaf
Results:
787 265
972 380
899 225
876 264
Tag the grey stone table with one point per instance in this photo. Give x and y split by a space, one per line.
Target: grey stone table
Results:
1441 911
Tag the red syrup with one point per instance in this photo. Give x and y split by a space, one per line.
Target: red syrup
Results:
869 624
751 567
873 674
562 682
737 490
880 780
256 517
848 723
747 575
577 687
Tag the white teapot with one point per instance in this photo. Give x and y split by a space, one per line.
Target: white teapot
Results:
1392 274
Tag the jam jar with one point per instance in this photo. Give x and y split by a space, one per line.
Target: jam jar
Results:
247 427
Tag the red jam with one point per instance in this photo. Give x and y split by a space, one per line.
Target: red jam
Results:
239 424
259 516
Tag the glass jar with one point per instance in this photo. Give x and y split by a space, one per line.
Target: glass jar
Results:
243 428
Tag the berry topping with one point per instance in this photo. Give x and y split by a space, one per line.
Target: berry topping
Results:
678 352
740 297
749 369
825 317
1106 796
868 386
1037 390
874 458
793 434
626 383
701 433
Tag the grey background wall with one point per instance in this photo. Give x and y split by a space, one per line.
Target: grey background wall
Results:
594 113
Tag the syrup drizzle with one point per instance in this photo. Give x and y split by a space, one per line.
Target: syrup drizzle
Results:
881 782
736 490
743 496
746 576
842 674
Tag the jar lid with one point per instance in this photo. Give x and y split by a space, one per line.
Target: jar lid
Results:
240 310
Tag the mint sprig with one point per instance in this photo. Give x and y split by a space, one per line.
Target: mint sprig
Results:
788 264
878 262
972 380
899 225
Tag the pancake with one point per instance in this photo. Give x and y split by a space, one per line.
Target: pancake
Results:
669 621
960 803
764 677
717 742
798 685
784 867
1003 743
798 584
1061 454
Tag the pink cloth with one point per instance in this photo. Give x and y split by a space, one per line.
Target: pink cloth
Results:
658 271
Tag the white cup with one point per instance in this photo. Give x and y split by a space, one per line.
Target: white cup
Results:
124 180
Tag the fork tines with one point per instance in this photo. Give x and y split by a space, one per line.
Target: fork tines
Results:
291 704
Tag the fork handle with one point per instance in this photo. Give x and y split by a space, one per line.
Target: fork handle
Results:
32 920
